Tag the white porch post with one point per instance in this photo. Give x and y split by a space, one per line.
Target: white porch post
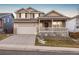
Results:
52 23
38 25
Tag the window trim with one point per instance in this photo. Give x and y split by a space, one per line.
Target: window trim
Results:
19 15
1 24
25 15
39 14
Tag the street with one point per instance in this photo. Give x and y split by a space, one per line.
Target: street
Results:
11 52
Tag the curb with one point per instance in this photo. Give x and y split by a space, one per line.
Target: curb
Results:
37 48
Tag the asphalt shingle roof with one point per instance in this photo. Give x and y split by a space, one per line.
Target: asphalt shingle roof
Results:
4 14
27 10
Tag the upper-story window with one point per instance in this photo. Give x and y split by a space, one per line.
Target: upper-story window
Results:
4 20
8 20
36 15
25 15
29 15
19 15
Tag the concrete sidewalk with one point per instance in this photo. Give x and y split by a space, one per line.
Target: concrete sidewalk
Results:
36 48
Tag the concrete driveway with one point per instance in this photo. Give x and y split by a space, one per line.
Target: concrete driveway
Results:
19 40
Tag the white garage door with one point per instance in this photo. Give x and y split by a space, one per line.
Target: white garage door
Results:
26 30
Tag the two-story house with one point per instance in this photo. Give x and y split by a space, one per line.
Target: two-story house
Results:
32 21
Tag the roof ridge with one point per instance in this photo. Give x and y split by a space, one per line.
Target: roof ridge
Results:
20 10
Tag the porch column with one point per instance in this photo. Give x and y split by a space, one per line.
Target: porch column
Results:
38 25
52 23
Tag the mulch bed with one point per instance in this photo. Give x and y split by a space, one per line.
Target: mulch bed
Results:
74 35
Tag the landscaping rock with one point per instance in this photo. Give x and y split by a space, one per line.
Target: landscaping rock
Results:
41 41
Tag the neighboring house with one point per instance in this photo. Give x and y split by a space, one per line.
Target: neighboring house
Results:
31 21
73 24
6 23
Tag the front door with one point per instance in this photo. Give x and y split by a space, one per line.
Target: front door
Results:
46 24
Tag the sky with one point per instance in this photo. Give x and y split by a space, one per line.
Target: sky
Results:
69 10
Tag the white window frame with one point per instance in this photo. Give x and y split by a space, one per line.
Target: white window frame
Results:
8 20
4 20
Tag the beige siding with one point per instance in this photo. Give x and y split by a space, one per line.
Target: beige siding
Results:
41 14
28 16
26 30
25 24
53 14
17 15
41 25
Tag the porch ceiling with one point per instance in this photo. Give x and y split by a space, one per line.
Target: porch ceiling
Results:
54 18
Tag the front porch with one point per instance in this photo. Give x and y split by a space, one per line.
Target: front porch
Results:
52 27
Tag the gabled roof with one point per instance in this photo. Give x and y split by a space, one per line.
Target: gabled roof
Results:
77 16
54 13
21 10
28 10
5 14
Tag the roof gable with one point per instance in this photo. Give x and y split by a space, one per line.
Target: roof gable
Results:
77 16
54 13
5 14
21 10
28 10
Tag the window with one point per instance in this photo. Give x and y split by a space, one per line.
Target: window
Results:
8 20
4 20
77 27
0 23
36 15
25 15
39 14
57 24
19 15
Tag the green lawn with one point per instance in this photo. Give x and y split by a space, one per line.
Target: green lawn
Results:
3 36
58 43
